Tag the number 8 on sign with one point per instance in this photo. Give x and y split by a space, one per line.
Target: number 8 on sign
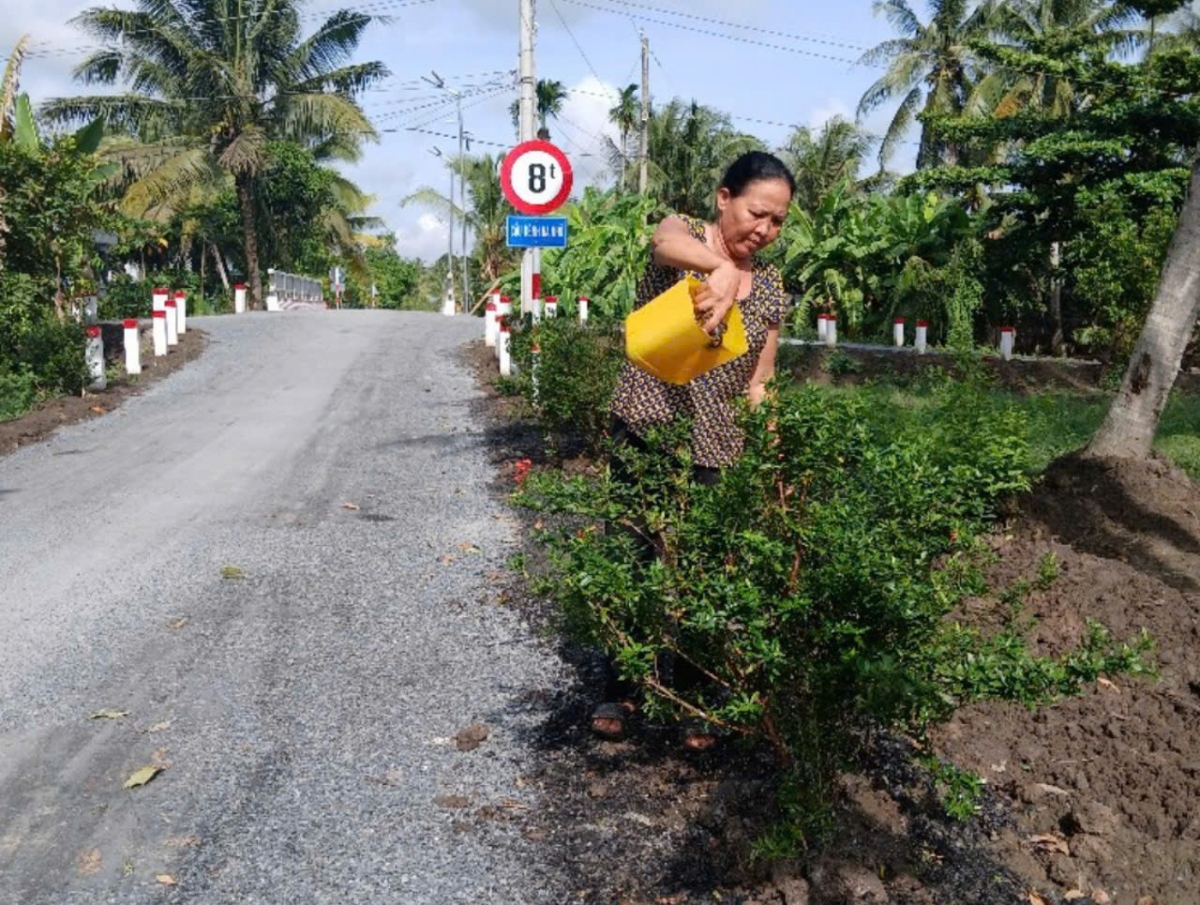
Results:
536 177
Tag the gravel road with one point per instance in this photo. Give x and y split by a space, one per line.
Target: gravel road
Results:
281 562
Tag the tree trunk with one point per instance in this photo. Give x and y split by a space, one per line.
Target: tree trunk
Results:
1056 339
245 192
216 253
1128 429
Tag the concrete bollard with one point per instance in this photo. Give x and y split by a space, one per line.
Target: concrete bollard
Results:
172 324
583 309
502 347
158 300
133 349
91 309
1007 338
239 298
489 324
831 331
552 306
922 337
181 311
822 326
503 312
898 332
94 356
160 333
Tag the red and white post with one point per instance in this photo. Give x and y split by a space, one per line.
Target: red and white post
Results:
922 337
133 349
172 323
160 333
239 298
822 326
503 348
830 331
552 306
158 299
490 313
503 312
181 311
94 356
583 309
1007 339
898 332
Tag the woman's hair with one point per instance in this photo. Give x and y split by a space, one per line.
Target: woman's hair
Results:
756 166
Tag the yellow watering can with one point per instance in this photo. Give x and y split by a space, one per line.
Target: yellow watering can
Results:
663 337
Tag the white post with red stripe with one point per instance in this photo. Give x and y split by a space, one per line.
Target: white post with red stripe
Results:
503 313
158 299
94 356
502 347
922 337
898 332
239 298
1007 338
552 306
160 332
536 303
490 313
583 309
830 331
181 311
822 326
172 323
133 349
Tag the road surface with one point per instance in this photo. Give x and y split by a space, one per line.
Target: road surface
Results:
280 562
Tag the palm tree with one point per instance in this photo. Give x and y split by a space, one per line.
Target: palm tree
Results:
626 115
550 97
834 155
485 215
210 83
930 67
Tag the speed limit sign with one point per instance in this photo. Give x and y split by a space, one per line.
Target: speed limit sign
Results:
536 177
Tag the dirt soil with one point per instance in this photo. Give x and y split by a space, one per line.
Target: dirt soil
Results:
54 413
1093 800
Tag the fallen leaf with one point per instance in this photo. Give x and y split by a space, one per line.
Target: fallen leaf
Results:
452 801
178 622
1107 683
1051 842
159 727
446 559
1100 897
233 573
1035 898
353 507
390 778
90 863
1073 895
514 805
167 880
142 776
1052 790
99 410
472 737
127 868
467 547
109 715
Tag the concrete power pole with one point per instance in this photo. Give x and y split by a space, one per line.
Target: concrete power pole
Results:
528 111
644 146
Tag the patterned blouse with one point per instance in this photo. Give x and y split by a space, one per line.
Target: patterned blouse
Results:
643 401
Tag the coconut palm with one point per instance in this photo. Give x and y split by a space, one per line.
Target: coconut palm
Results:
931 68
626 115
209 84
822 161
550 96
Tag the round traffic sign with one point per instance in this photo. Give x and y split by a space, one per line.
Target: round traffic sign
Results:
536 177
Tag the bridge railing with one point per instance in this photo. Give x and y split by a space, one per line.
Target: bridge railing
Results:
286 291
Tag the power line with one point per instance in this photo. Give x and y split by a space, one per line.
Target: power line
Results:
571 35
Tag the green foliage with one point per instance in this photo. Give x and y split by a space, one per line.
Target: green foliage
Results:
395 278
17 394
811 586
959 791
576 373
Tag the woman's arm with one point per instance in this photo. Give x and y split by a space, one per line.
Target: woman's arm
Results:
674 246
764 371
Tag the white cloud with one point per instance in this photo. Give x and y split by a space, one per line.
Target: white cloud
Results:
424 238
834 107
582 128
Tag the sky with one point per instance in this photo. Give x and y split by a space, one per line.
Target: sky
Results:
770 64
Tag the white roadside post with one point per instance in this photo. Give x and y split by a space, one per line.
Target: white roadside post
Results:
1007 337
239 298
830 331
272 291
133 351
94 356
552 306
91 309
898 332
503 312
158 300
172 324
502 346
490 324
160 332
181 311
822 326
583 309
922 337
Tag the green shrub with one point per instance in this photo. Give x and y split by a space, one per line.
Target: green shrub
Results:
125 297
811 586
16 394
576 373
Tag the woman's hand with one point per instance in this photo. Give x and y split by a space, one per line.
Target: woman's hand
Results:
717 296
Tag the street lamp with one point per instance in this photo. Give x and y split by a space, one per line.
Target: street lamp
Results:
438 82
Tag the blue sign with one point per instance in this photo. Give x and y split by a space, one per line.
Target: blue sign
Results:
536 232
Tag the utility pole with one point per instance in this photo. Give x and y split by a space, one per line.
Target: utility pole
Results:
437 152
644 147
462 205
528 104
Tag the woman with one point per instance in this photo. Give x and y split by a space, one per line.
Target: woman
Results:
752 204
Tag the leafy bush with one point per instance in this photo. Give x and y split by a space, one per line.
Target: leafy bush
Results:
16 394
125 297
810 587
577 370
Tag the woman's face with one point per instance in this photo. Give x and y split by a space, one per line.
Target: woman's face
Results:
751 221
